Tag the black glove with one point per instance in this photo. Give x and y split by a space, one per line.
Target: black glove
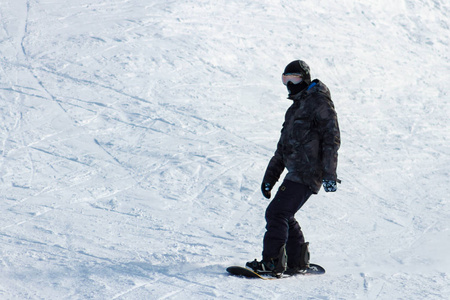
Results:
266 188
329 185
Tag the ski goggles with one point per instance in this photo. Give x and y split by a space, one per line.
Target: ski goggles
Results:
295 78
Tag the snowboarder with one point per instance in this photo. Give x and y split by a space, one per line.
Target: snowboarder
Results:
307 148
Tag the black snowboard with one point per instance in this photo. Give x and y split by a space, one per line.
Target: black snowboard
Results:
244 272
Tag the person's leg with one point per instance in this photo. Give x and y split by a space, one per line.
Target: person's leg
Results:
295 239
282 228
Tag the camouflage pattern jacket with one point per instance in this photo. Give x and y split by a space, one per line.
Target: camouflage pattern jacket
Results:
309 141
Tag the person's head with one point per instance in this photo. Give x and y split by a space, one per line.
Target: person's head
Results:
296 77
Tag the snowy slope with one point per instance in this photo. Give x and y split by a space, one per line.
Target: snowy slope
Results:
134 136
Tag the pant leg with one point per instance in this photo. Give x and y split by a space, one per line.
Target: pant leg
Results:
281 227
294 242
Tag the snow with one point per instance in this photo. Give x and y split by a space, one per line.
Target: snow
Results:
134 136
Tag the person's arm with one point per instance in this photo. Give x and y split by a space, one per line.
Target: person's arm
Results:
273 171
330 137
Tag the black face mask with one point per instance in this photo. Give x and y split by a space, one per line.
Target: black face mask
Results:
294 89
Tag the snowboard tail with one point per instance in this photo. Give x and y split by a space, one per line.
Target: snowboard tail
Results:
244 272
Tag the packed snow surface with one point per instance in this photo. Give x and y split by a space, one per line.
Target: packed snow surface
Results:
134 136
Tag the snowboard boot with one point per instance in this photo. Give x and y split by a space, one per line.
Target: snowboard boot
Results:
300 262
272 266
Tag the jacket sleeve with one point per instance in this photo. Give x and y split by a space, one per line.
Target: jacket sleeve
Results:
330 138
275 167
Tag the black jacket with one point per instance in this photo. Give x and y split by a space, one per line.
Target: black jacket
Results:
309 141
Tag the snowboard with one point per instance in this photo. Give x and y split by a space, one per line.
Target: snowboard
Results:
247 273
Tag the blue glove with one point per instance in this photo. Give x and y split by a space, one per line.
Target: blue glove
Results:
265 189
329 186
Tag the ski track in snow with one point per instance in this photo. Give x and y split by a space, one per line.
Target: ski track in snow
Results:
134 136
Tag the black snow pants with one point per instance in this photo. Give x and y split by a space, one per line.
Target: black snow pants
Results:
282 228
